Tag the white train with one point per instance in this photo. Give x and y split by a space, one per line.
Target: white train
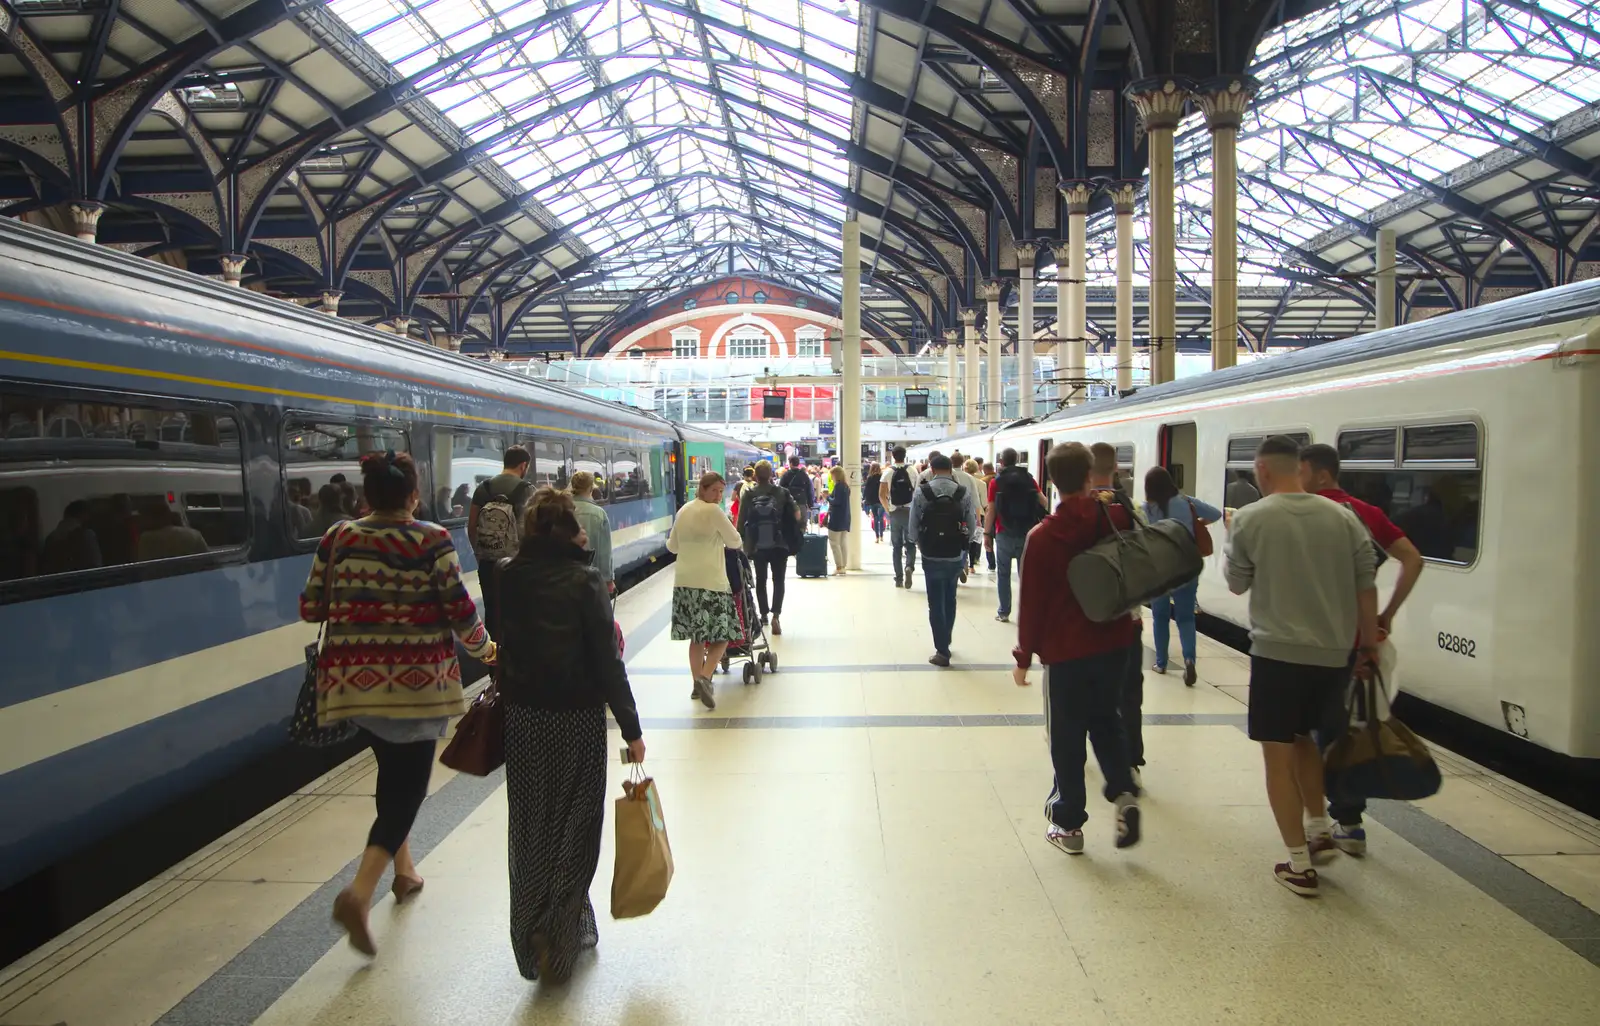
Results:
1478 432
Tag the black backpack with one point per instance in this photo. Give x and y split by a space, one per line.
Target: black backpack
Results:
764 522
794 482
942 530
900 487
1017 501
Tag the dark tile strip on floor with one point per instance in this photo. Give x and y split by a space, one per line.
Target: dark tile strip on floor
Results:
981 720
241 992
1561 917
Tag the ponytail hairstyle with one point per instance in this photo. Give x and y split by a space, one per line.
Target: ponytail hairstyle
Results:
388 480
550 514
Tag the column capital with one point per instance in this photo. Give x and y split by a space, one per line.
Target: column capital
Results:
233 268
330 301
401 324
992 290
969 318
85 218
951 337
1026 252
453 340
1077 194
1123 195
1159 101
1223 100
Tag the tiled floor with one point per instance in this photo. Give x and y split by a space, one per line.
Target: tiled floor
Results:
863 842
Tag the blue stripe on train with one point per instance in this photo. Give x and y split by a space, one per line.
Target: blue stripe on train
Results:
87 636
54 807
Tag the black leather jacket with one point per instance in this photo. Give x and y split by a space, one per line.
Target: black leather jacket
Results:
558 647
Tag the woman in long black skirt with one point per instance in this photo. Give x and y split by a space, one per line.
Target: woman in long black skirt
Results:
559 670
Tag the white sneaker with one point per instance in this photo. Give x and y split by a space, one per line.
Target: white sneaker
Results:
1069 841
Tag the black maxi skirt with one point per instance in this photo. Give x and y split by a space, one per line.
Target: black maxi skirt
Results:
556 791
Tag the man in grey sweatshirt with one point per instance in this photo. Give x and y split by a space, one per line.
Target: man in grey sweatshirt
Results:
1309 566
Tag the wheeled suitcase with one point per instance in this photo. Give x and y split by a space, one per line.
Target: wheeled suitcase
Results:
812 559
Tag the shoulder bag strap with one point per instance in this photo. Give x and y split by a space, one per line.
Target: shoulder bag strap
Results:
327 582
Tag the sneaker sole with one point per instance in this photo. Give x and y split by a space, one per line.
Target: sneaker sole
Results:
1059 844
1130 821
1355 851
1300 889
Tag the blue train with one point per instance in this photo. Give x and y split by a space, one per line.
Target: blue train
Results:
171 449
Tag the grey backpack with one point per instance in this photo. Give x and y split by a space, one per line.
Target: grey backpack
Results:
1128 568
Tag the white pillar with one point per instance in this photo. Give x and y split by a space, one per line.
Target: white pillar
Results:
969 350
849 403
1025 255
233 268
1122 202
1077 325
1063 293
993 407
952 379
1384 280
1223 102
1160 103
85 219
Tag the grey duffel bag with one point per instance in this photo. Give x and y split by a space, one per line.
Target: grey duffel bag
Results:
1128 568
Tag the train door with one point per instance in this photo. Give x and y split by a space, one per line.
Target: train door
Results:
1041 472
1176 451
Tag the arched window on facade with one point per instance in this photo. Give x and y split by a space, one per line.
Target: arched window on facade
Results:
748 342
685 343
808 341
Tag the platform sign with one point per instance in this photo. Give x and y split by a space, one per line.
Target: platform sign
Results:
824 427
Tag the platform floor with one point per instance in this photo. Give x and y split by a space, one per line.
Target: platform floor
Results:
860 839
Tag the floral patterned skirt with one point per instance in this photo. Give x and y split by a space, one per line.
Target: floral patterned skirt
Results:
701 615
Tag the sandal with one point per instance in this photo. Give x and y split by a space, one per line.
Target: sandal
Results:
404 887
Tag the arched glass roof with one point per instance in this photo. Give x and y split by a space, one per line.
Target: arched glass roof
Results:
1369 106
676 138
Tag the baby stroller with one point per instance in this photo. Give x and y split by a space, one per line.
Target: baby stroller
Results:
752 643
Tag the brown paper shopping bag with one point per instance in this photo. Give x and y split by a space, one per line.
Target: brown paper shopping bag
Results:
644 858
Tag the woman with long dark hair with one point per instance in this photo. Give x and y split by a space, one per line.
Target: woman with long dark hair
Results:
1163 501
559 670
389 588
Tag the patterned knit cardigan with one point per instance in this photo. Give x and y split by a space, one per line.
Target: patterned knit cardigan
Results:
396 599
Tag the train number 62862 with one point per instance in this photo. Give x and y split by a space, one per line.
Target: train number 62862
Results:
1458 645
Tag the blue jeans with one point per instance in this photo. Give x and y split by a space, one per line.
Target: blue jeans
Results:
1007 550
941 577
900 540
877 515
1082 701
1177 605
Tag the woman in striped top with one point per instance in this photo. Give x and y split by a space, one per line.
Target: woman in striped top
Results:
389 588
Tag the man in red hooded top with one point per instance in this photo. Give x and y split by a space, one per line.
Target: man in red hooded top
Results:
1085 663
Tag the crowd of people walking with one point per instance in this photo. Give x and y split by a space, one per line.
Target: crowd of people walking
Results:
388 587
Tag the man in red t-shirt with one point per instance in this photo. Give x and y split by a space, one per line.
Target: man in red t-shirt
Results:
1085 663
1319 474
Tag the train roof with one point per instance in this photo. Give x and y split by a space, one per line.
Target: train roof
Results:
1521 313
223 313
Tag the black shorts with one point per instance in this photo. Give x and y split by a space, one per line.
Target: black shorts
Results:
1290 700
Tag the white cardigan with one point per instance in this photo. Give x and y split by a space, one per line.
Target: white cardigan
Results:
699 537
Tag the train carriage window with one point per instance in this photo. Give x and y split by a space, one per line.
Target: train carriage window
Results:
1125 475
591 459
1239 486
549 463
322 469
86 485
462 460
625 481
1367 444
1432 488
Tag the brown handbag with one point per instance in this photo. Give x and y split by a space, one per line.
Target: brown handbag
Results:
1202 536
478 747
479 744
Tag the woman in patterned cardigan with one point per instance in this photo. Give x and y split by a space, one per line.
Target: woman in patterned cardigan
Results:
389 588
